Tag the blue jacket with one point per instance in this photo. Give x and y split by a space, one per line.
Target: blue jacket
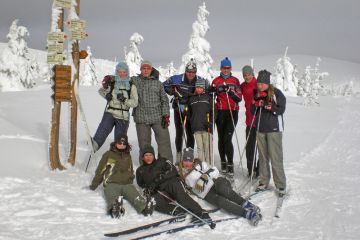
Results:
185 87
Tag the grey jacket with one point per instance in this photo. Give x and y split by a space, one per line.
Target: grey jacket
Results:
116 108
153 101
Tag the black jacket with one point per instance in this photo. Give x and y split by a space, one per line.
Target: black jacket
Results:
271 120
200 109
156 174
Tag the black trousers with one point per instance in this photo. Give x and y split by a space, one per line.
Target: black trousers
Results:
223 196
225 131
179 131
175 190
250 150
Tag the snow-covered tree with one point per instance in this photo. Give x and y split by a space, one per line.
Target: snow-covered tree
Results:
167 72
18 69
304 83
284 75
199 47
133 57
88 77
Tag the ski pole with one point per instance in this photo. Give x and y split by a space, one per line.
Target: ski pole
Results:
247 138
211 224
252 167
232 119
209 135
181 119
213 128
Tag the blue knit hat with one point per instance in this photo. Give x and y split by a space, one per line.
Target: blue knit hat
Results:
225 63
123 66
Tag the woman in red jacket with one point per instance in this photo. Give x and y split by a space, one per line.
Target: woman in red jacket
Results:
247 90
228 96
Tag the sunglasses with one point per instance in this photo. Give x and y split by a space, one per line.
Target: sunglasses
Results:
187 160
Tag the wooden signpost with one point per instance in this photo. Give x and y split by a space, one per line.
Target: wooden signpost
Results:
64 81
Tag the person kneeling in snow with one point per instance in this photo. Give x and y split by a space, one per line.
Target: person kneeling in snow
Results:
159 177
205 183
115 170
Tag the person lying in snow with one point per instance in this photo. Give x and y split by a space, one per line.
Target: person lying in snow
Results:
115 170
205 183
159 176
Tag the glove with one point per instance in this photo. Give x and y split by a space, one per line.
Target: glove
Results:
165 122
121 97
150 190
268 106
108 97
106 81
231 93
201 182
212 89
223 88
259 103
177 94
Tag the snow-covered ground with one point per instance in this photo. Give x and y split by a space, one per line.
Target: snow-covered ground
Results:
321 162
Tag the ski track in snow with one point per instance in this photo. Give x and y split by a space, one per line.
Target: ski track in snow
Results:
322 203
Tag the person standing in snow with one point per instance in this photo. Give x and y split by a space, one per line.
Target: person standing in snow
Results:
200 116
271 104
115 171
120 95
228 96
206 183
160 175
247 89
182 87
152 112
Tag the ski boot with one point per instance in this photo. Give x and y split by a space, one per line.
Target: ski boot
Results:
224 168
248 206
281 192
117 209
149 207
253 217
230 172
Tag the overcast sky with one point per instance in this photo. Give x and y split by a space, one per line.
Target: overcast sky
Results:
326 28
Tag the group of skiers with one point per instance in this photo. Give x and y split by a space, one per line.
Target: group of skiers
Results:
198 107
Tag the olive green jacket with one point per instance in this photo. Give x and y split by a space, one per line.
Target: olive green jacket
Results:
114 167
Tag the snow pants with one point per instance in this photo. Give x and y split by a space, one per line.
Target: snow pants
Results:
204 146
223 196
113 190
106 125
162 138
270 150
175 190
250 151
225 131
190 142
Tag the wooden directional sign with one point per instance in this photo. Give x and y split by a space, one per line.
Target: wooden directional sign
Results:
55 48
55 58
78 24
56 37
63 3
62 83
78 35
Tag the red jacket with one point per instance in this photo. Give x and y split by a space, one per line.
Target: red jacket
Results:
221 100
247 90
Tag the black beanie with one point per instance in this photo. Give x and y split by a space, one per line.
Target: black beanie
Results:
264 77
122 138
148 149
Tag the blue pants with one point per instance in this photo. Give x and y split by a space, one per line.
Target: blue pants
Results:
106 125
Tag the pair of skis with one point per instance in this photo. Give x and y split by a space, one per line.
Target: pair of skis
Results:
167 231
